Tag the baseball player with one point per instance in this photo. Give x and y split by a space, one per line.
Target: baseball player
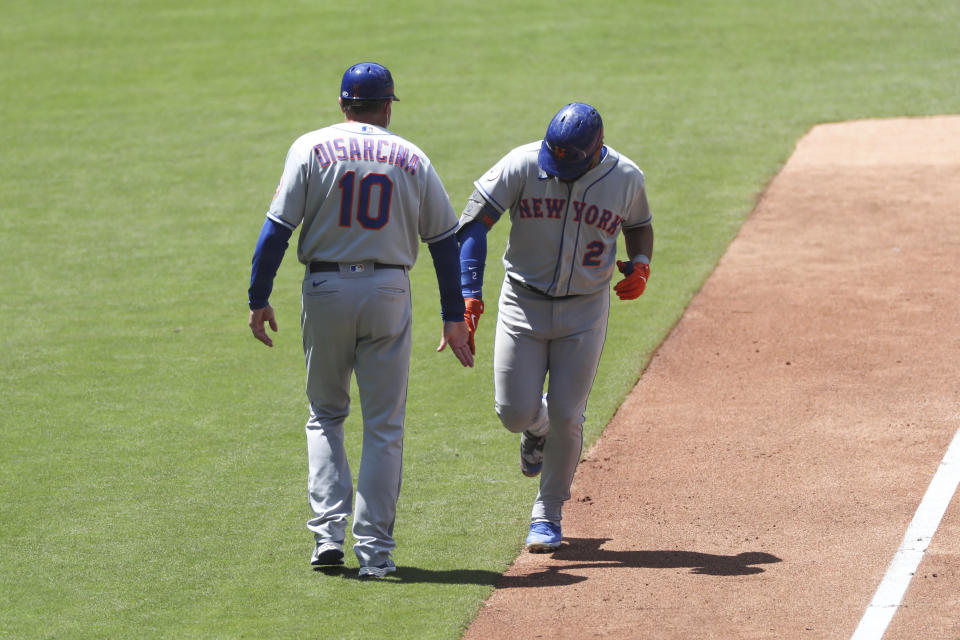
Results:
568 196
363 197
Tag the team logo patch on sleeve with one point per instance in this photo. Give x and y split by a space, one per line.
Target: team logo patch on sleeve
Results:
493 173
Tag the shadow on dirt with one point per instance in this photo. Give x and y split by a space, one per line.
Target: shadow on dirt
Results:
587 553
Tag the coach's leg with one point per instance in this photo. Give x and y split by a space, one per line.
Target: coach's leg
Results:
328 338
382 367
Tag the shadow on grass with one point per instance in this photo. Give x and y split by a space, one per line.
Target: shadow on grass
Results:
410 575
581 553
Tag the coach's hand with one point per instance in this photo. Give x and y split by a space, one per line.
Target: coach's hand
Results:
474 309
260 317
635 282
457 336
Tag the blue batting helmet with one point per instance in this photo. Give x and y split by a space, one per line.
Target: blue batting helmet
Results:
573 137
367 81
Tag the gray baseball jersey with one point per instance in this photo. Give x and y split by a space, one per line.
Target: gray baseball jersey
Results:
361 193
562 252
563 235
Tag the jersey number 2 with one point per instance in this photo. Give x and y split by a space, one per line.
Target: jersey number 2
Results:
385 190
592 257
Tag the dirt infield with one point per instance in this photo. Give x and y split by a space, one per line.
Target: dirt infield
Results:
760 477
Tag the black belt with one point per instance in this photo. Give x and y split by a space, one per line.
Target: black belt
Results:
316 267
524 285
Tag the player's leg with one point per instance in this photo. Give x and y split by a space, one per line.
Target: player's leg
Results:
328 336
382 368
520 359
573 365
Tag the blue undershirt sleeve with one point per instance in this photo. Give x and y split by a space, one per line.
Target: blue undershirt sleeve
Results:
473 257
271 245
445 255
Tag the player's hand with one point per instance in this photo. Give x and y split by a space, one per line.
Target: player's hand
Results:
472 317
457 336
260 317
635 282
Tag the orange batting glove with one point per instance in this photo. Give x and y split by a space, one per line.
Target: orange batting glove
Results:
632 286
472 317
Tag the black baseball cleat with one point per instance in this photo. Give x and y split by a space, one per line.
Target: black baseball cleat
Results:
531 454
327 553
372 573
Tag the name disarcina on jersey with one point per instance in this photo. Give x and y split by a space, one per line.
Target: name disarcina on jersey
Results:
592 215
366 150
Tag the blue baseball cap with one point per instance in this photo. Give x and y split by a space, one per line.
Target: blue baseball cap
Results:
367 81
573 137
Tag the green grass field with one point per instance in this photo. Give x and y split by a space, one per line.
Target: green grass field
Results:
152 456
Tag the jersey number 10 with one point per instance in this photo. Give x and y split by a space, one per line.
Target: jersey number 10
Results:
367 183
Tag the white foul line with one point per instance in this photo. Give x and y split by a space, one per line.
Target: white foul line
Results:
925 521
